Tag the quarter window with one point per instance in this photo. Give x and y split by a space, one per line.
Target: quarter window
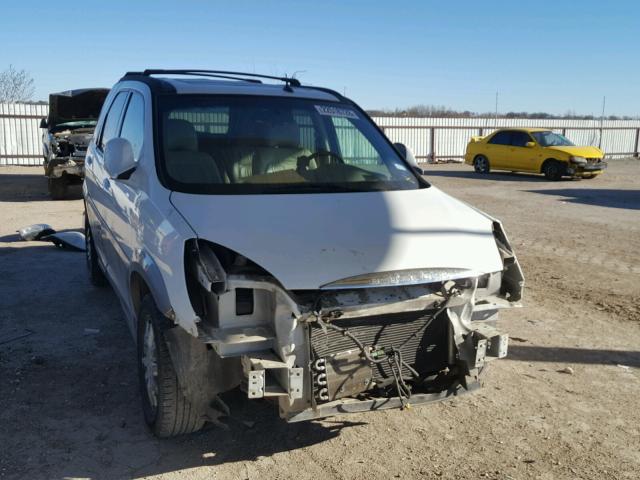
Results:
111 123
133 124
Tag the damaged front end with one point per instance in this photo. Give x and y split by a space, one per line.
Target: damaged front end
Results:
70 125
68 150
370 342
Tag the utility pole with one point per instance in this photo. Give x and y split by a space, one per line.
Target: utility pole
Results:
604 101
495 125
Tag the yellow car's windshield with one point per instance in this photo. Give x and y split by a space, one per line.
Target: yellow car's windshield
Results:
551 139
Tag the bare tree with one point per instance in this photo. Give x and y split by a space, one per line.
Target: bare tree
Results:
16 85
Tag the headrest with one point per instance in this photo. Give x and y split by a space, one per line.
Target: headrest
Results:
179 135
285 134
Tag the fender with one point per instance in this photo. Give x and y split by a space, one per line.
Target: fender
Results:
148 272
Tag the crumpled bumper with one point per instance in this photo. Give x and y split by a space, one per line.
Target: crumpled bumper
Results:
65 166
587 168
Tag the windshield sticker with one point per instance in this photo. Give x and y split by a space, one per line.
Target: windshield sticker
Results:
336 111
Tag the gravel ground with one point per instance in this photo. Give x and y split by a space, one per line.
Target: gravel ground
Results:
565 404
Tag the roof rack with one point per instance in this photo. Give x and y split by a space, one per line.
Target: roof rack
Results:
253 77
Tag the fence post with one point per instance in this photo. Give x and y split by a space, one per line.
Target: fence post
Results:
480 131
635 150
433 144
564 132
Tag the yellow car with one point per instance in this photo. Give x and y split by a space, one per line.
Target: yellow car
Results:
533 150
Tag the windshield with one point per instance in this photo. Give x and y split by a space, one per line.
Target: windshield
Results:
551 139
252 144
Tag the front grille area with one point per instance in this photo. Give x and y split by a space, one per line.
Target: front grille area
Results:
426 352
594 160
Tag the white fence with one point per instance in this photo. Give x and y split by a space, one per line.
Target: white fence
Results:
20 133
429 138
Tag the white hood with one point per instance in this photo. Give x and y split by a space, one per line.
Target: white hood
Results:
309 240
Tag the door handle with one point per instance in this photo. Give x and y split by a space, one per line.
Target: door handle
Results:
88 160
106 184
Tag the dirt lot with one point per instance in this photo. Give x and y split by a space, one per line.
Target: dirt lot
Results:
69 404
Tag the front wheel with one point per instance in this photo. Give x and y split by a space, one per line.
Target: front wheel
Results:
481 164
58 187
553 170
166 410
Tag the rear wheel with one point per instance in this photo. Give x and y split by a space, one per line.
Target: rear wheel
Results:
553 170
481 164
96 275
166 410
58 187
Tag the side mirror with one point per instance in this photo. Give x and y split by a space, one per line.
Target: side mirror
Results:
407 154
118 159
44 123
530 144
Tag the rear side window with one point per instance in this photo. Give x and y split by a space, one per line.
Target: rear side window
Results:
133 124
110 129
501 138
520 139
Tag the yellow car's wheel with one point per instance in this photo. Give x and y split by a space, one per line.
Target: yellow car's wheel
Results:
481 164
553 170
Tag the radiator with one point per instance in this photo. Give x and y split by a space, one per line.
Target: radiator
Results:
427 352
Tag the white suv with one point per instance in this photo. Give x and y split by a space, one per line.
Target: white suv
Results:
268 236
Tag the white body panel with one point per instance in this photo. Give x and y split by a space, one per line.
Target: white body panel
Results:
309 240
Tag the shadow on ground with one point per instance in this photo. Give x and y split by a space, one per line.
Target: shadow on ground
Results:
27 187
70 388
601 197
527 353
268 436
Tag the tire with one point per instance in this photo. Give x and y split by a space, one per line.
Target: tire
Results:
58 188
553 170
166 410
96 275
481 164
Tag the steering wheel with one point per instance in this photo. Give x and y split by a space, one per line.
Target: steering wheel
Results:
305 160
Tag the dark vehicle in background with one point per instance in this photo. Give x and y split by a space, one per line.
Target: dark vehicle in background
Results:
68 130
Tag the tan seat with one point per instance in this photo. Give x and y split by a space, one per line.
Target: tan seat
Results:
282 150
184 162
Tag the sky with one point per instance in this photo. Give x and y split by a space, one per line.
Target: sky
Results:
553 56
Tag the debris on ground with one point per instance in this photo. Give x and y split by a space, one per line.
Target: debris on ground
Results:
43 232
35 232
567 370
